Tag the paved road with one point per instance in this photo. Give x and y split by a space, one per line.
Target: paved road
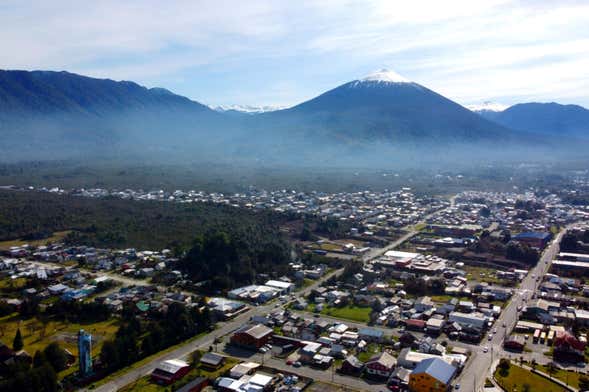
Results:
204 342
329 375
473 376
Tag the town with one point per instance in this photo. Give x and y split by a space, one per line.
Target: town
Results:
468 293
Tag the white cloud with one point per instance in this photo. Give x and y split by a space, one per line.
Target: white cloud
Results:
469 50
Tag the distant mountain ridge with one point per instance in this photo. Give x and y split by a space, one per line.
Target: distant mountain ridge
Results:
48 92
46 114
546 118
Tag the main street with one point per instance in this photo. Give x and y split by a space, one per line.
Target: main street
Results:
477 368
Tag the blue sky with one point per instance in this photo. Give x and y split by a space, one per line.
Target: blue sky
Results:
279 52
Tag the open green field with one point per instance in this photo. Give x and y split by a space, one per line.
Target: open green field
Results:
354 313
36 335
518 376
481 274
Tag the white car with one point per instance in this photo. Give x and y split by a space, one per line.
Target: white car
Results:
490 336
485 349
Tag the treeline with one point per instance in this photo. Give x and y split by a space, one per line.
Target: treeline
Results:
124 223
137 338
224 259
505 247
575 242
38 376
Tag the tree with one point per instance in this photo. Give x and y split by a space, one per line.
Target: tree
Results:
568 243
39 359
17 343
196 356
56 356
551 367
109 354
504 365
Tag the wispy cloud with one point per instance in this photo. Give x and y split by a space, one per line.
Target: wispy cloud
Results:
270 52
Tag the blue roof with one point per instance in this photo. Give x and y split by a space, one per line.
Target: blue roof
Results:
539 235
437 368
370 332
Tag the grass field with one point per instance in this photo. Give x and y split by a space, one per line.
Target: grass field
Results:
55 331
571 378
518 376
481 274
57 236
354 313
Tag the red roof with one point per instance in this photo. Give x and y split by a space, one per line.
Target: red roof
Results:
566 339
415 323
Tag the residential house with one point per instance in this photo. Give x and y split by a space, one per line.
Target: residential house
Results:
431 375
381 365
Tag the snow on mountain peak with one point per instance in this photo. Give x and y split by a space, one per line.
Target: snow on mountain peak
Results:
385 75
248 108
487 106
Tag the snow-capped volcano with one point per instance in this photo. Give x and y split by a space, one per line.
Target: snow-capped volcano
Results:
386 76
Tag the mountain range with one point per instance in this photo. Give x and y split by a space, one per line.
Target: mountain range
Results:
46 114
551 119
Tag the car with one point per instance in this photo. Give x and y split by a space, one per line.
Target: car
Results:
485 349
490 336
526 337
289 362
504 325
297 364
457 386
263 350
495 330
316 315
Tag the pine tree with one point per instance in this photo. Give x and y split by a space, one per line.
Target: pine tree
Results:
17 343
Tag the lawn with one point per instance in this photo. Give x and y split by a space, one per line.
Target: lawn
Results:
445 298
350 312
371 350
518 376
36 336
57 236
8 285
481 274
571 378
